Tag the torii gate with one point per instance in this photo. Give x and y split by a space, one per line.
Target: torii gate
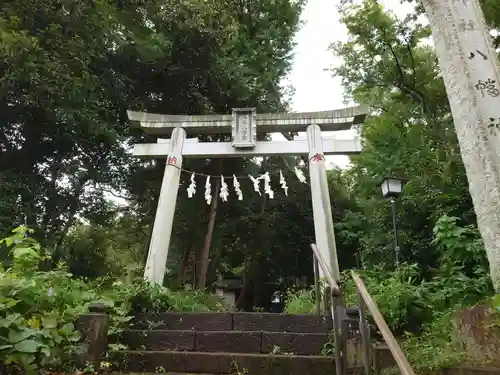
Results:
243 125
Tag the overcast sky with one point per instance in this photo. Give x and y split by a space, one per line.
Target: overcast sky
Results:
315 88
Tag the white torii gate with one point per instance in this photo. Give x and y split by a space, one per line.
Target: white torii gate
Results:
243 125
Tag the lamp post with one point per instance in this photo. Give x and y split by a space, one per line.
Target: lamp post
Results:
392 188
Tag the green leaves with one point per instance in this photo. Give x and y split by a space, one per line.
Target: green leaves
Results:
28 346
36 327
25 253
49 322
70 73
67 329
10 319
7 303
18 336
496 302
388 65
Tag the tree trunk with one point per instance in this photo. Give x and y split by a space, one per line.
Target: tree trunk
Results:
205 251
183 266
251 262
247 280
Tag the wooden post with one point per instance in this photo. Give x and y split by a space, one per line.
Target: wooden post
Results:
164 219
470 71
322 211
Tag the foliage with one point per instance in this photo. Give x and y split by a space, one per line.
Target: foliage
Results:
69 72
462 264
409 302
422 311
399 295
387 65
496 302
141 297
300 302
114 250
39 307
491 10
435 346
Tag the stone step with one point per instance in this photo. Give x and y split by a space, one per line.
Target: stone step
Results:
226 341
235 321
223 363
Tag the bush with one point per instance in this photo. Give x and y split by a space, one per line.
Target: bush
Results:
434 347
300 302
39 308
419 309
398 293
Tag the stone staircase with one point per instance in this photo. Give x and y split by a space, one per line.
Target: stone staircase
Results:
227 343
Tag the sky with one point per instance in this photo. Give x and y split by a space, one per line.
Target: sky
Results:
315 88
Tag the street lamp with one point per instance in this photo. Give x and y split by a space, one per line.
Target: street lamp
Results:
392 188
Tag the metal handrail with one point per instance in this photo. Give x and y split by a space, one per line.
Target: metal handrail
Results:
332 304
334 287
397 353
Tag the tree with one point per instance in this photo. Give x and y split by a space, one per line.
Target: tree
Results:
410 134
60 127
69 72
246 62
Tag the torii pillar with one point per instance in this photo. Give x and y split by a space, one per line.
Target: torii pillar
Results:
243 125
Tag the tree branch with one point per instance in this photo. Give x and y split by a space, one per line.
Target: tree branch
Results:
401 84
117 195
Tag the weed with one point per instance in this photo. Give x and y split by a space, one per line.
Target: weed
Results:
235 370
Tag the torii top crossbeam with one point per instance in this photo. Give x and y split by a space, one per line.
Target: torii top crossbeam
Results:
340 119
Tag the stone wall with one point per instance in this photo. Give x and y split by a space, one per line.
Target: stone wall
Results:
477 331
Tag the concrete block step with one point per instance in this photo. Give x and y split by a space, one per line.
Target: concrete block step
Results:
296 343
235 321
208 321
223 363
225 341
281 323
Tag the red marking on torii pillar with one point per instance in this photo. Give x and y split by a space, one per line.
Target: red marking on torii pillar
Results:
318 157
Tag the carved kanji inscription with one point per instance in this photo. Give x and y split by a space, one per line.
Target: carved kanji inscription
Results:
244 128
488 87
466 25
473 55
494 125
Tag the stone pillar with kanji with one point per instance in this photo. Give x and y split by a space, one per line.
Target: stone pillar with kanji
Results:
471 74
